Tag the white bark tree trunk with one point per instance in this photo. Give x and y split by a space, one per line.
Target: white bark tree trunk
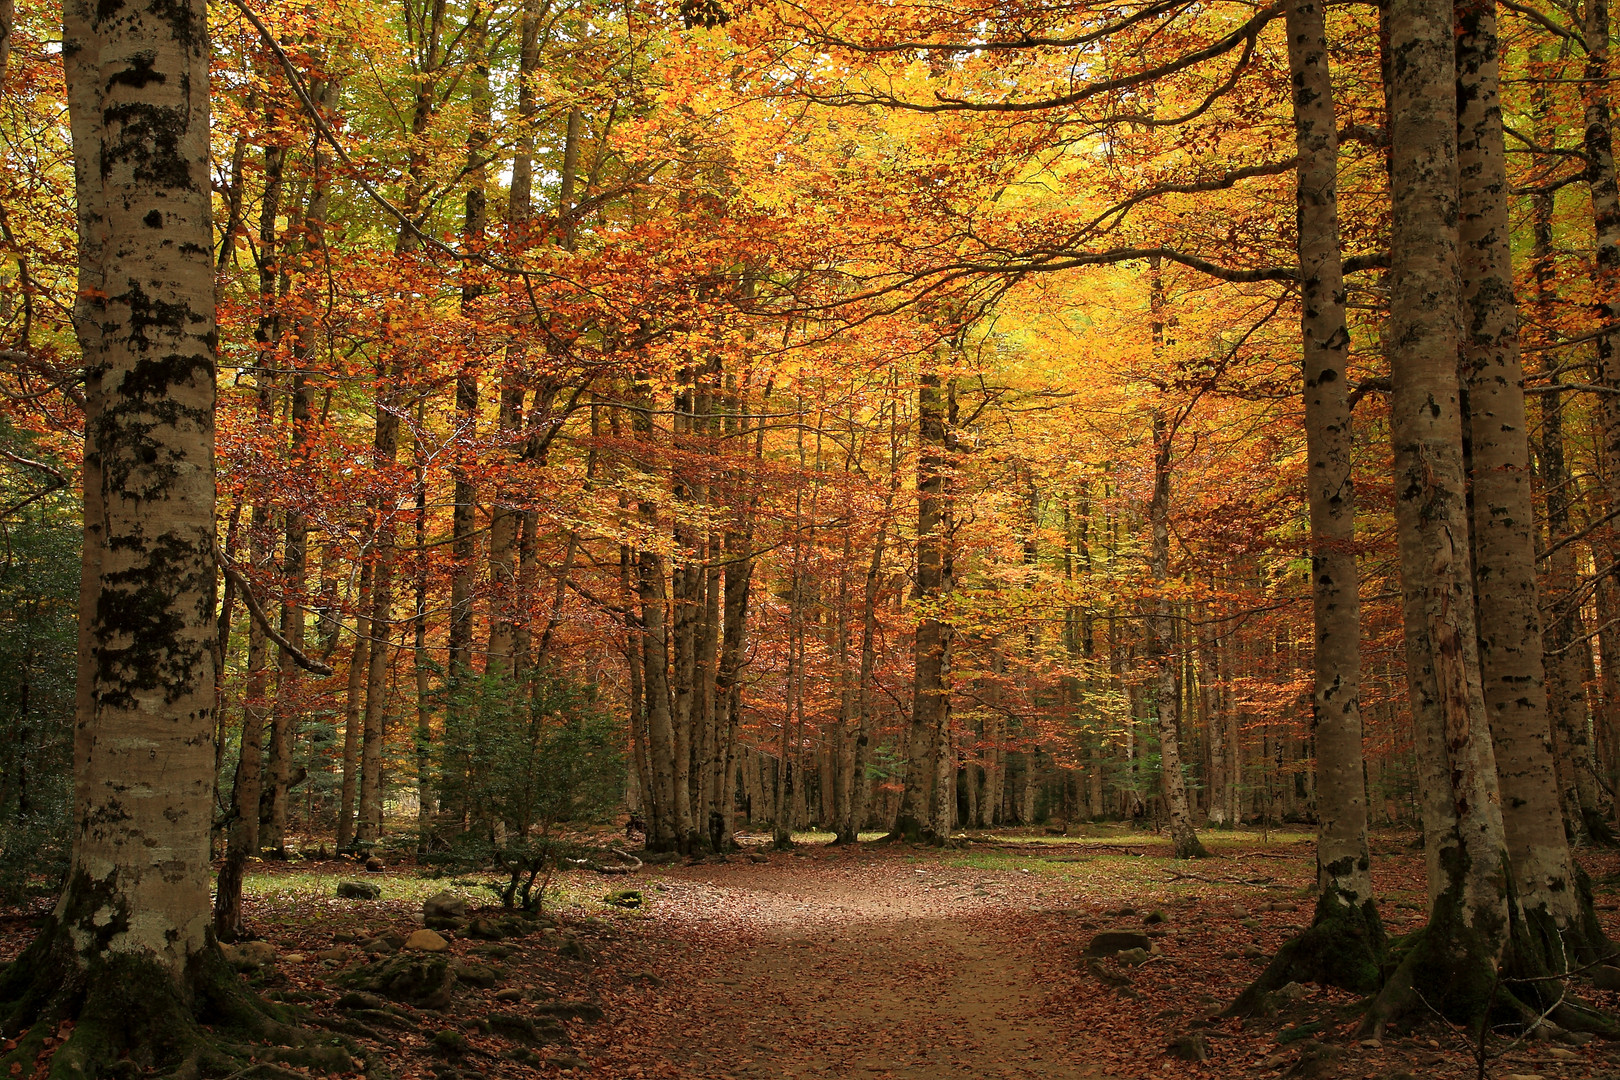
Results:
144 776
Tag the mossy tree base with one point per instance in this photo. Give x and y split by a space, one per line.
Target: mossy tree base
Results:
911 831
1191 849
1446 970
1452 976
1578 943
1595 830
1344 947
122 1015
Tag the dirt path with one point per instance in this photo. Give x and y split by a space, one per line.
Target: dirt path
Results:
869 968
902 964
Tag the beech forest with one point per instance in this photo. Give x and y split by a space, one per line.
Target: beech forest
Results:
731 539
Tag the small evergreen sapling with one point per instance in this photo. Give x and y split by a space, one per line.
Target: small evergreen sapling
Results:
519 762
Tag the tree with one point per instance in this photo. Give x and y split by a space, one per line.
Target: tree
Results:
1454 966
1345 943
922 811
1167 697
1557 905
146 327
127 951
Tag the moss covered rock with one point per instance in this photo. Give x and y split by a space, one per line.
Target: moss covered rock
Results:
423 981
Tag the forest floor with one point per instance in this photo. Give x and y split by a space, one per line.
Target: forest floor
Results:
881 962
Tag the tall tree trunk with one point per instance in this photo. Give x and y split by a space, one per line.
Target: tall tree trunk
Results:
354 706
534 456
1510 657
686 595
1454 966
294 564
464 516
637 704
504 520
520 192
222 637
380 656
127 949
295 552
737 583
728 671
385 448
258 782
782 818
246 792
425 794
1173 782
1605 195
859 786
1343 862
1606 686
843 741
1566 692
272 786
652 586
707 814
1345 944
706 707
1214 708
931 652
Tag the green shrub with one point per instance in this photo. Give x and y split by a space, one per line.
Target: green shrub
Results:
516 762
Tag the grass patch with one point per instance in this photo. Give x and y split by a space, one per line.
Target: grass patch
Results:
1141 878
285 889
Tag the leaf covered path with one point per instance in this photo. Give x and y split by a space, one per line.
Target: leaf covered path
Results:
881 968
902 964
889 963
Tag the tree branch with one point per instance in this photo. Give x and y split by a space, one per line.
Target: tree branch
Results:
252 602
1246 35
1545 22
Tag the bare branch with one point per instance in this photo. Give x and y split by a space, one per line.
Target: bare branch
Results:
298 656
1245 36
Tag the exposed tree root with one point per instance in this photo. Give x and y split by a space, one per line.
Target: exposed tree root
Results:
122 1015
909 831
1344 947
353 1028
1576 1016
1446 972
1574 944
1397 998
